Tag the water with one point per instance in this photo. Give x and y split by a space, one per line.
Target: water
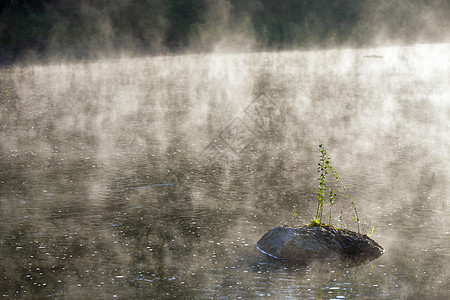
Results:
155 177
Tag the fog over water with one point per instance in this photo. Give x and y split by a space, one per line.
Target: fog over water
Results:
155 177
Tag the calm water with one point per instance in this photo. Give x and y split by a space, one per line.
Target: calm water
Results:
155 177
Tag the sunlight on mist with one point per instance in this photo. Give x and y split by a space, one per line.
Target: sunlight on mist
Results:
351 98
209 90
100 133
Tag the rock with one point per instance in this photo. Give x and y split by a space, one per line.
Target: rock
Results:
306 243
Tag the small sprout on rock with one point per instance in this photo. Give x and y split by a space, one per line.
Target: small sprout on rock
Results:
294 213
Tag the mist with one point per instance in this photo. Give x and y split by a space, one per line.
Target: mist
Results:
62 30
150 164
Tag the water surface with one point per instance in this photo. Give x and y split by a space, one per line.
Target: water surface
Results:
155 177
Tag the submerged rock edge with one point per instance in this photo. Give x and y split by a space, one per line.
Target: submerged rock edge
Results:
317 243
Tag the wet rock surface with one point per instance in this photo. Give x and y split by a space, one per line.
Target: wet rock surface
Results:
306 243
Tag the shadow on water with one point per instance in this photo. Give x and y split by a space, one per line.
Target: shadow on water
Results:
343 262
156 177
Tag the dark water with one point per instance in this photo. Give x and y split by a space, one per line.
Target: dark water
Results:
156 177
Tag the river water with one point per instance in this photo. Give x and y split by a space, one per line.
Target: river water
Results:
155 177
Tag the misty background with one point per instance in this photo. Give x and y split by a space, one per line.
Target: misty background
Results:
90 29
146 146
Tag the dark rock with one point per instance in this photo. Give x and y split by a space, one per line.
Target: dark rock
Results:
306 243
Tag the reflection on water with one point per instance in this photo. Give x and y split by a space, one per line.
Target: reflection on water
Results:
156 177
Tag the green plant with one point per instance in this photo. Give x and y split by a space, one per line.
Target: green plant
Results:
323 169
294 213
371 233
314 223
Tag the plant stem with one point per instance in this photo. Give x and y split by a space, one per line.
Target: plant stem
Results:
355 211
324 166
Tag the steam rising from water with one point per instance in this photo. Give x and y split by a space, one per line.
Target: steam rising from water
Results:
356 101
207 91
382 113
